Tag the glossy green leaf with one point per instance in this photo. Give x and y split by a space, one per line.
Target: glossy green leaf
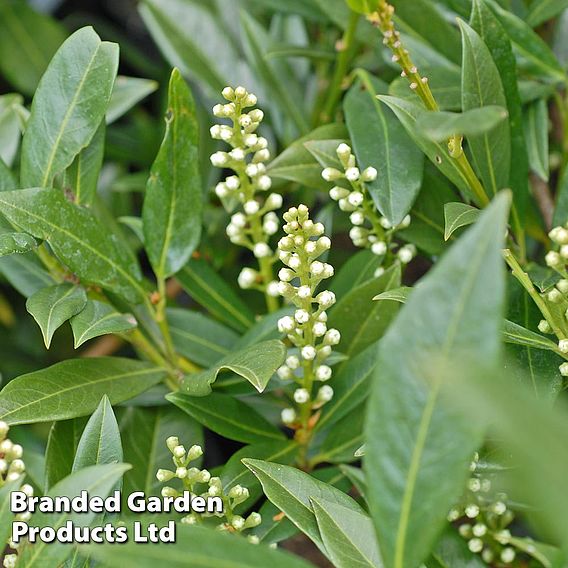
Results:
357 478
491 31
519 335
74 388
7 178
451 550
77 237
349 537
144 432
561 208
82 176
52 307
343 438
25 273
439 126
397 295
416 465
62 443
291 490
173 199
10 131
98 480
360 320
481 87
362 6
68 106
99 318
197 547
6 515
544 10
126 93
28 41
228 416
256 364
379 141
204 284
358 269
199 338
100 443
535 121
458 215
16 243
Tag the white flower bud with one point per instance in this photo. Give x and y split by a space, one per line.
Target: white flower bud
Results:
336 193
237 154
261 250
559 235
6 446
554 296
405 222
357 218
219 159
379 248
304 292
562 285
257 115
301 316
250 140
274 200
250 100
325 299
472 511
262 156
564 369
508 555
284 289
292 361
331 174
251 207
286 324
164 475
285 373
355 198
17 451
179 451
352 174
294 262
564 252
563 345
27 489
343 151
479 529
301 396
552 259
181 472
264 183
328 271
317 268
238 523
308 352
272 289
219 111
4 428
324 243
325 394
228 93
221 190
172 442
369 174
286 274
332 337
240 92
247 278
475 545
10 561
323 373
288 416
405 254
270 225
310 247
239 220
319 329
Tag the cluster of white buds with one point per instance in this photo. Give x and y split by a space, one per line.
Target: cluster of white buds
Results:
200 482
370 230
256 222
307 328
12 469
483 518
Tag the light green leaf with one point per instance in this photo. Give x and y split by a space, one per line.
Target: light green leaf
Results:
7 178
197 547
144 433
349 537
517 334
99 318
100 443
68 106
343 438
221 413
361 321
52 307
173 199
77 237
458 215
379 141
291 490
126 93
209 289
74 388
6 515
62 443
439 126
544 10
362 6
28 41
535 120
256 364
16 243
481 87
10 131
416 466
97 480
25 273
452 551
397 295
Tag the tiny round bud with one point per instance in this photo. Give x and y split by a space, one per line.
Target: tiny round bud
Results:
261 250
325 299
405 222
301 316
355 198
301 396
323 373
247 278
563 345
308 352
553 259
544 326
554 296
336 193
286 324
405 254
181 472
288 416
564 369
319 329
379 248
332 337
475 545
274 200
508 555
325 394
228 93
331 174
219 159
357 218
164 475
179 451
472 511
343 151
479 529
251 207
264 183
352 174
369 174
272 289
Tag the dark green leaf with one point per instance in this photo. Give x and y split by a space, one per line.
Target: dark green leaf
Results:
7 178
343 438
10 126
379 141
173 199
74 388
6 515
458 215
68 106
452 551
228 416
52 307
544 10
62 444
415 464
535 121
358 269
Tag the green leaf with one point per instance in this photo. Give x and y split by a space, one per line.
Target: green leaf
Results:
209 289
173 199
52 307
7 178
28 41
199 338
379 141
481 87
82 176
97 480
6 515
491 31
144 433
343 438
458 215
544 10
358 269
362 6
16 243
222 414
291 490
529 44
356 476
10 131
439 126
25 273
77 237
349 537
99 318
561 209
74 388
197 547
519 335
397 295
100 443
361 321
416 466
256 364
68 106
126 93
452 551
535 120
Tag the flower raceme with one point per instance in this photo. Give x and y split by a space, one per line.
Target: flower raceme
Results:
307 328
255 222
370 229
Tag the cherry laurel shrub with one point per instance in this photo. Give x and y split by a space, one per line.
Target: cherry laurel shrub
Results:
328 286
